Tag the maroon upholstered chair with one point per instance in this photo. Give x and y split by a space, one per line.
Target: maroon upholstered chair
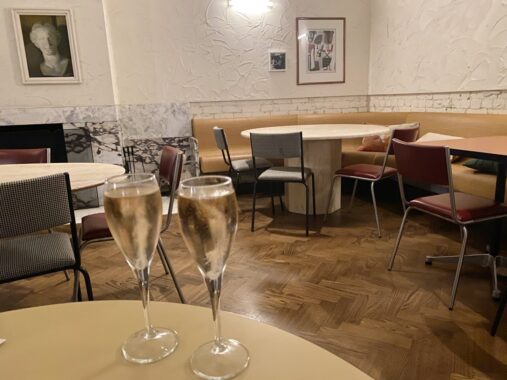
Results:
372 173
25 156
431 165
94 227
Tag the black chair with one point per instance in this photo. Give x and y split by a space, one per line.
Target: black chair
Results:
94 227
431 165
373 173
281 146
130 159
236 167
31 206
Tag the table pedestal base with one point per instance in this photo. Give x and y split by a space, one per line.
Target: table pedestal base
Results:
324 158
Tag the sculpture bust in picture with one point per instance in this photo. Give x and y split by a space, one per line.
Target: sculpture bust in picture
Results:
53 63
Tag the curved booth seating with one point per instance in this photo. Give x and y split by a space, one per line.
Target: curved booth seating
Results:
457 124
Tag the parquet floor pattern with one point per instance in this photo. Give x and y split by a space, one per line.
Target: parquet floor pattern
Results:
331 288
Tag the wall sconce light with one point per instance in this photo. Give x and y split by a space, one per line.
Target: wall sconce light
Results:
251 6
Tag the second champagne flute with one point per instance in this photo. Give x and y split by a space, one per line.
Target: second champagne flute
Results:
133 207
208 213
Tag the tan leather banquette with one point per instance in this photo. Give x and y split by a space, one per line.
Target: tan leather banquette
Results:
455 124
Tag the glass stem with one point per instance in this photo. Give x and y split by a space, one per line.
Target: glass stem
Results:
144 285
214 288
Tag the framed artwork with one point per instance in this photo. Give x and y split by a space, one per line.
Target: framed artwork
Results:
277 60
46 46
320 50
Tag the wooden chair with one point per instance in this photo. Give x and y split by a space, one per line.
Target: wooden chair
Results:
372 173
94 227
281 146
431 165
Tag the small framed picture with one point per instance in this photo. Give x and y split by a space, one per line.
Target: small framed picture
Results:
320 50
46 46
277 60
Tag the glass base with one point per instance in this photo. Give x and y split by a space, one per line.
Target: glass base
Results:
144 348
220 363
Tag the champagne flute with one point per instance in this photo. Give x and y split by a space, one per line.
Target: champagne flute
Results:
208 213
133 207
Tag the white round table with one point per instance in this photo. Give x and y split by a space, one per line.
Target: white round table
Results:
83 175
322 154
83 340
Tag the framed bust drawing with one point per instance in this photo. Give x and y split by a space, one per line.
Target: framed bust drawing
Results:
46 46
320 50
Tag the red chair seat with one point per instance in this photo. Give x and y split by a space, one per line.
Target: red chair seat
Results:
366 171
468 207
95 227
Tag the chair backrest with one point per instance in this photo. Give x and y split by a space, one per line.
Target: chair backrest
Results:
422 163
171 165
25 156
220 138
409 134
278 146
36 204
221 141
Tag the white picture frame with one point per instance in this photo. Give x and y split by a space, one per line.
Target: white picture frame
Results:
277 60
47 46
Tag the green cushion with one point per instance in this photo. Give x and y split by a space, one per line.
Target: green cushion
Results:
484 166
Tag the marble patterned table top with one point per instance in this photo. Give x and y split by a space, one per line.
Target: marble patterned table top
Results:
82 175
324 131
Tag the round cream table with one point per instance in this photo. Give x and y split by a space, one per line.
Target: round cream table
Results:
322 153
83 340
83 175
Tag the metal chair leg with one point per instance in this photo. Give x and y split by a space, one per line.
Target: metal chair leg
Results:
499 313
282 206
272 198
375 208
237 179
253 205
163 259
330 198
398 239
66 275
161 251
76 286
313 195
353 193
460 264
307 202
88 283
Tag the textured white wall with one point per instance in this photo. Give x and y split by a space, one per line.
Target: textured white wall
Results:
200 50
96 88
438 45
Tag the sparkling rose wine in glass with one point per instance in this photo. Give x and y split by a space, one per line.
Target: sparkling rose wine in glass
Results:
208 213
133 207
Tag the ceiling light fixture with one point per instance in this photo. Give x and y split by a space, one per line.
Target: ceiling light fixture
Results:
251 6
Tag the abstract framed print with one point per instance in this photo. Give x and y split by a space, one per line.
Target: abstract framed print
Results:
320 50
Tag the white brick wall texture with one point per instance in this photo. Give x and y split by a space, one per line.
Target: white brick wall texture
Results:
493 102
247 108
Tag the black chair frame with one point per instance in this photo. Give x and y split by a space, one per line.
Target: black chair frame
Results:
302 181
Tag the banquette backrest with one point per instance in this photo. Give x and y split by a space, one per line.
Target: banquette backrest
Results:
460 124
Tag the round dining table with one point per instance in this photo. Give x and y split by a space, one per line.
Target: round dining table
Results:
83 175
322 146
83 341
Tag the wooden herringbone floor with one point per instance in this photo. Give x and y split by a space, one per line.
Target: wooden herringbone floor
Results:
331 288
